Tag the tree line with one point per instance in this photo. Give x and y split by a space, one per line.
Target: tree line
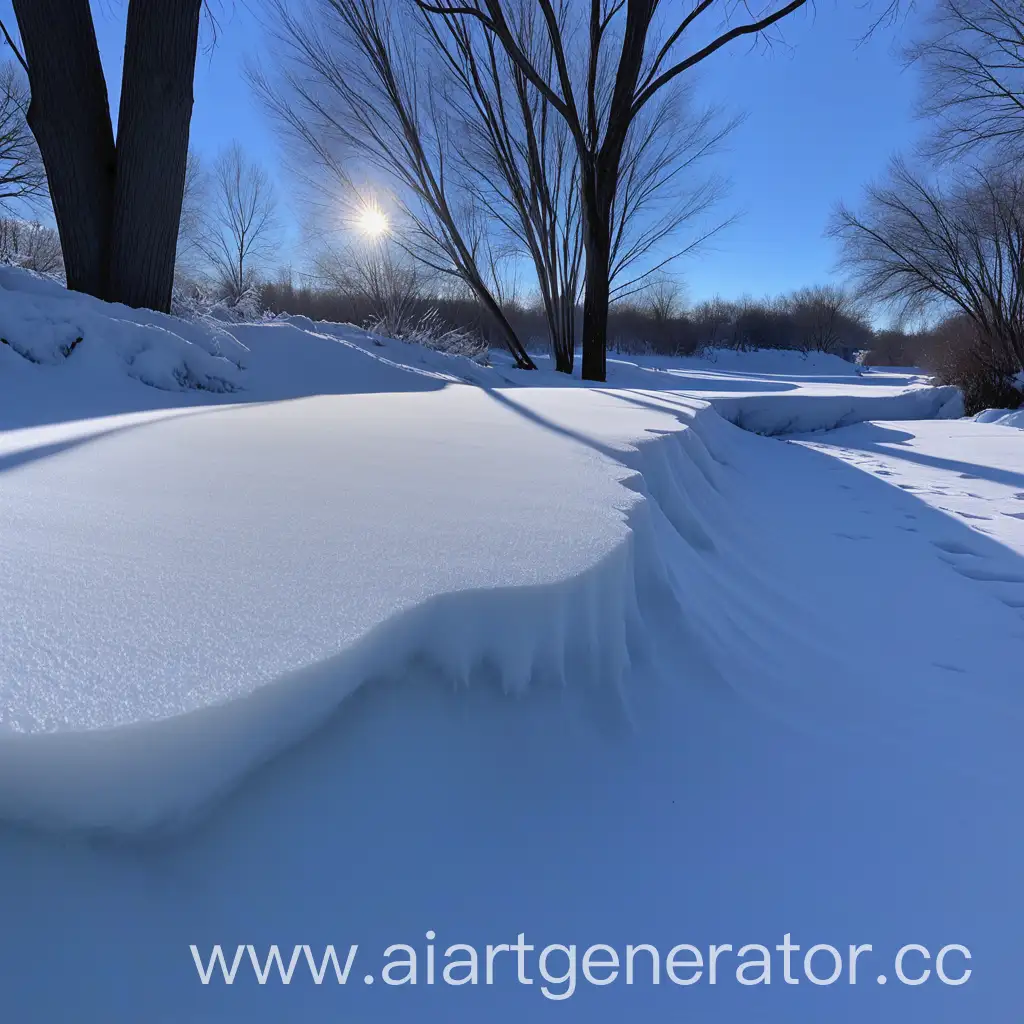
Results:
939 241
552 140
550 132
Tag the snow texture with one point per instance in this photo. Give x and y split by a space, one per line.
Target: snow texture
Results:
589 662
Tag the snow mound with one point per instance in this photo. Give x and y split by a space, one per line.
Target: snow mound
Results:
44 323
1004 417
185 618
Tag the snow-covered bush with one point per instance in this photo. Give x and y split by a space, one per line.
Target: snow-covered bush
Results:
431 332
197 300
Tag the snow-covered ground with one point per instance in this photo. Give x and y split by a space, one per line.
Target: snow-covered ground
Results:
379 642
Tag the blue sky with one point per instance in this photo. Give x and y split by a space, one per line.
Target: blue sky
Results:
824 112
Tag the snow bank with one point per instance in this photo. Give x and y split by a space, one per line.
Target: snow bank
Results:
174 621
1004 417
769 360
190 590
69 356
44 323
806 411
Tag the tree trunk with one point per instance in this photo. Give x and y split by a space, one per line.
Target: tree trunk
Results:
152 149
597 238
70 118
595 313
508 333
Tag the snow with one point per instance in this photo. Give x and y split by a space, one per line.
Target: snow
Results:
385 641
1005 417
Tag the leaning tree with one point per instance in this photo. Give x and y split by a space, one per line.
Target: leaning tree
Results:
117 202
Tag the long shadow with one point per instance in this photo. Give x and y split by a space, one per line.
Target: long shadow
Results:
25 456
283 362
542 421
876 440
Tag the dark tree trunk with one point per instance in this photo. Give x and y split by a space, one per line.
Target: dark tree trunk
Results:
508 333
70 118
595 306
152 149
597 240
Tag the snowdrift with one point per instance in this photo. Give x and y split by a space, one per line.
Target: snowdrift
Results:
199 577
1004 417
191 618
68 356
42 322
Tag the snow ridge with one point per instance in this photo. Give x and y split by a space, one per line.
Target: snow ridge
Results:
578 633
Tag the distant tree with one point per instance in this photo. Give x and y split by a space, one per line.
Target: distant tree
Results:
393 287
825 319
239 223
22 177
194 204
893 347
31 245
662 298
928 250
117 206
766 323
713 319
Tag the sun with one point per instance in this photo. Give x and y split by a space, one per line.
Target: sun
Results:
372 221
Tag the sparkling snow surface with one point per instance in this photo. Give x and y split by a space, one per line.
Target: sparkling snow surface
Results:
358 651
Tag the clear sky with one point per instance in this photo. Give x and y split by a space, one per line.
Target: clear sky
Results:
824 112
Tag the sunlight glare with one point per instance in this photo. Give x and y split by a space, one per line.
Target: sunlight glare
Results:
373 221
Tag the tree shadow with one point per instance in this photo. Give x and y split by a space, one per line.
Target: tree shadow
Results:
875 439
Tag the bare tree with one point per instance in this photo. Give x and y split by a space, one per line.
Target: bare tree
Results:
825 318
924 249
21 168
239 227
31 245
117 206
520 166
622 36
973 61
351 93
195 202
662 298
390 284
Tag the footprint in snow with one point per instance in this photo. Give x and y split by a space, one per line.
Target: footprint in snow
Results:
948 667
854 536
